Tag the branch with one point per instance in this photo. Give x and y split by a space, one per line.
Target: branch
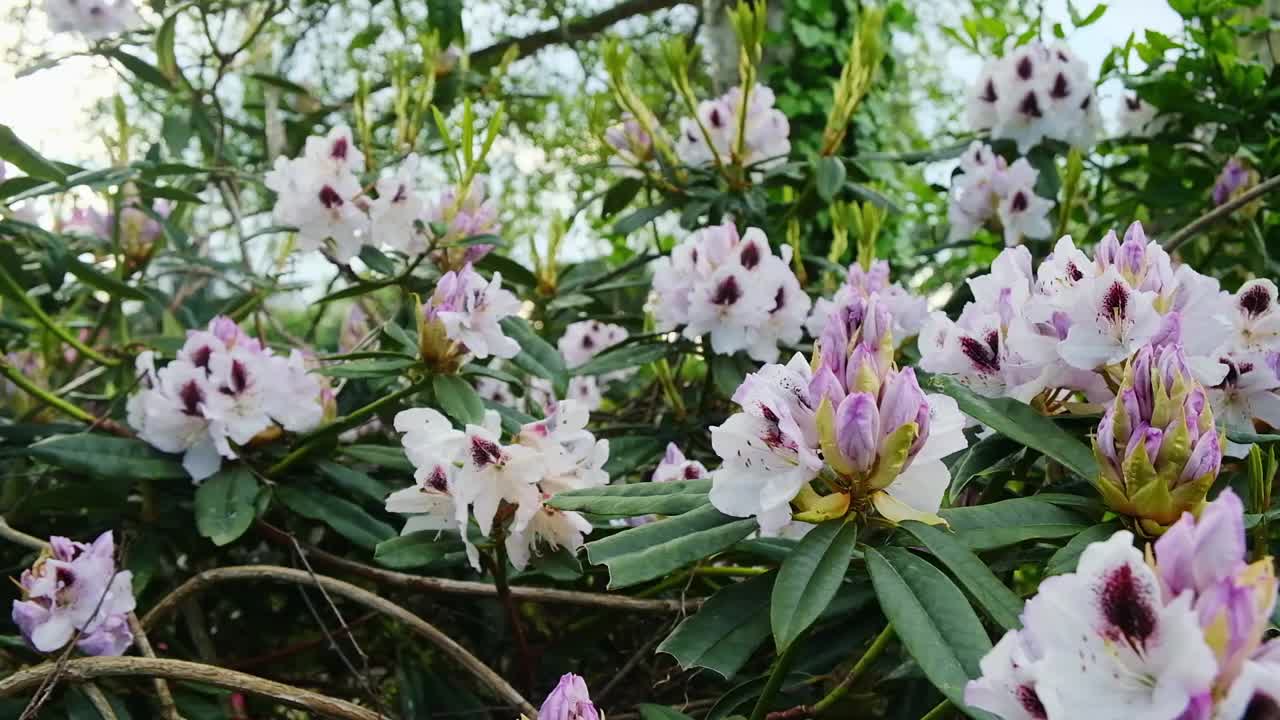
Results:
356 594
85 669
466 587
573 30
164 698
1195 227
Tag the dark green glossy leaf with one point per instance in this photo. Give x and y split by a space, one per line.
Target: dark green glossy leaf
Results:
108 456
26 159
809 578
652 550
101 281
625 357
344 516
726 630
354 481
829 174
420 549
458 399
997 600
630 500
1009 522
1065 559
225 504
391 458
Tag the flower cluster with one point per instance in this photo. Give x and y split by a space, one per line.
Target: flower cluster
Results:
765 138
1035 92
988 187
906 310
320 194
1071 324
462 316
92 18
570 700
1180 636
223 388
471 472
1157 447
855 420
580 342
74 588
732 287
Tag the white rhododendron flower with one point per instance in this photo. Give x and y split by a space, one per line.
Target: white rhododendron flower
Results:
223 389
1059 330
765 141
468 310
93 19
472 474
733 288
988 188
1035 92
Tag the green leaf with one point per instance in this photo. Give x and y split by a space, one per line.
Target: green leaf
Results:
630 500
512 271
353 481
631 452
141 69
809 578
108 457
642 217
344 516
391 458
660 712
988 455
445 17
932 618
458 399
166 58
728 372
371 368
537 356
997 600
512 419
377 260
101 281
627 356
278 82
26 158
1065 559
418 550
620 195
652 550
829 174
1019 422
727 629
225 504
1009 522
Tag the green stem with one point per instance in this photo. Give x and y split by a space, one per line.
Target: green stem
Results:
19 294
312 441
877 647
48 398
774 683
939 711
663 371
730 570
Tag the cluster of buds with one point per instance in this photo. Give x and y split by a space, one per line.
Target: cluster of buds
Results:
852 420
461 319
74 591
1157 447
1237 177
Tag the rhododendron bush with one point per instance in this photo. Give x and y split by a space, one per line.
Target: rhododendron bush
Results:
776 366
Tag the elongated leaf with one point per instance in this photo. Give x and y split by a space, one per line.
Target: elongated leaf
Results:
1009 522
723 634
1019 422
1065 559
344 516
372 368
660 712
418 549
829 173
108 456
537 356
932 618
512 271
998 601
166 59
26 158
641 217
353 481
625 357
631 452
989 454
391 458
489 372
225 504
620 195
653 550
643 498
101 281
458 399
809 578
141 69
